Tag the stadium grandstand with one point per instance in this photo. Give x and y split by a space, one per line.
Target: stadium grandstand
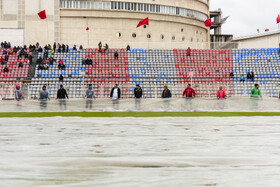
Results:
205 69
158 54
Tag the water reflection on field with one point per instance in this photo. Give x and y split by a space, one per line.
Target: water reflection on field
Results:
140 151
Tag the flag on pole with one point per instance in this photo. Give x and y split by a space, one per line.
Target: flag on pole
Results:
207 23
42 14
87 28
143 22
278 19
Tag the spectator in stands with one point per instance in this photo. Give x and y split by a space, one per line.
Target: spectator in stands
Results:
89 97
10 51
116 55
39 60
87 61
189 94
51 52
106 48
4 52
60 64
128 48
37 45
6 59
221 93
51 60
252 76
40 50
67 48
46 66
81 48
61 78
63 48
18 93
46 54
2 61
30 59
189 51
20 65
99 47
43 98
249 76
231 75
40 67
6 69
242 78
74 48
61 96
54 46
138 95
256 92
15 49
115 95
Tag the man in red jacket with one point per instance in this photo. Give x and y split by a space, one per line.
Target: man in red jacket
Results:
221 94
189 93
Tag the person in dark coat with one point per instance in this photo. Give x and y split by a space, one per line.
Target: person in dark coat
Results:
231 75
99 46
128 48
115 95
252 76
116 55
249 76
61 78
61 96
166 95
6 69
138 94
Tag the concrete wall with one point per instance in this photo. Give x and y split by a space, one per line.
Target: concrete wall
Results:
15 36
68 25
22 14
270 41
104 26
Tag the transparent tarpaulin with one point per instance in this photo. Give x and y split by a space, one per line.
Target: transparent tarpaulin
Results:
234 104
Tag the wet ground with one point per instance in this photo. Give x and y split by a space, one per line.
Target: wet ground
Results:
140 151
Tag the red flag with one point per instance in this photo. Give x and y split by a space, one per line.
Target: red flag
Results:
87 28
143 22
278 19
207 23
42 14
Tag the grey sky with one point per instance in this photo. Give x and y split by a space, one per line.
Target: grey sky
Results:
246 16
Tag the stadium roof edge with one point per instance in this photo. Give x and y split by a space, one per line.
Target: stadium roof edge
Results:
255 35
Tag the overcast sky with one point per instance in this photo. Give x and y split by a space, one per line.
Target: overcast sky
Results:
246 16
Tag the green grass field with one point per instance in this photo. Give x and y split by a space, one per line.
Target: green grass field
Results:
137 114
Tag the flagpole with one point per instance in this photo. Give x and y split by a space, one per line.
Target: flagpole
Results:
149 38
278 36
87 34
